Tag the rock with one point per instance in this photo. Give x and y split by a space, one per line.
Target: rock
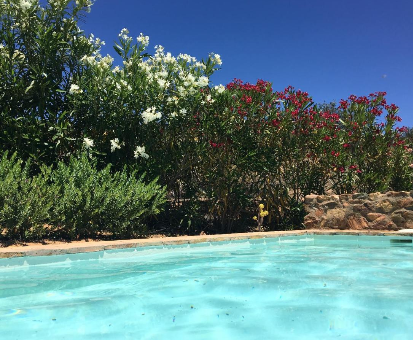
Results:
407 214
374 196
383 223
345 204
311 222
310 199
335 198
357 223
398 220
360 196
322 199
397 194
331 205
384 206
356 201
345 197
406 203
333 219
361 209
319 212
373 216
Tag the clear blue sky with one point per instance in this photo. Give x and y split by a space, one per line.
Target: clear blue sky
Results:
329 48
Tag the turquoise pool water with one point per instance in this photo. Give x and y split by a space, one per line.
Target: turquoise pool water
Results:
301 287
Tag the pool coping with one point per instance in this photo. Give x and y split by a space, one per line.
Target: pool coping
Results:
94 246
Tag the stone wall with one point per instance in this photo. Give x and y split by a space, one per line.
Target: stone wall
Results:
388 211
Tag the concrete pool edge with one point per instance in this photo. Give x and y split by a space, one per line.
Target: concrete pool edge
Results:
94 246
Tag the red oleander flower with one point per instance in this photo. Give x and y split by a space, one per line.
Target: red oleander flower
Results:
343 104
275 122
214 145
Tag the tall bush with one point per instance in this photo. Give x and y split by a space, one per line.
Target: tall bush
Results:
25 201
40 49
91 201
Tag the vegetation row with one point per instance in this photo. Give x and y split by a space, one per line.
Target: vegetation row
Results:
79 131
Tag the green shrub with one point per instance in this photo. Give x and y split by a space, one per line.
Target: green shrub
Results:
92 201
25 201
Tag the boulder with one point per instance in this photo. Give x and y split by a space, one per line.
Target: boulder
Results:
333 219
374 196
406 203
357 223
383 223
311 222
373 216
359 196
384 206
331 205
310 200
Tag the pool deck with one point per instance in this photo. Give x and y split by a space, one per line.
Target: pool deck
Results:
59 248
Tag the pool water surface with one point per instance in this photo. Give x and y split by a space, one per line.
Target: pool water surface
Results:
298 287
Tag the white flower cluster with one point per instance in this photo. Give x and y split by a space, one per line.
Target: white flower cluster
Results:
150 114
187 58
219 88
122 84
103 63
74 89
88 143
215 58
27 4
17 55
184 73
140 152
143 39
114 144
124 34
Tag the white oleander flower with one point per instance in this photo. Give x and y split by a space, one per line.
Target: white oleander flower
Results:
219 88
216 58
124 34
209 99
187 58
169 59
88 60
150 115
203 81
200 65
189 80
183 111
140 152
74 89
163 83
25 5
88 143
114 144
18 55
143 39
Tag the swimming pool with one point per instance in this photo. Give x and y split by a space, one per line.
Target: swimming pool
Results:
298 287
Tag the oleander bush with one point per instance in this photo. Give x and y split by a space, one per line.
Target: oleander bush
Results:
219 151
